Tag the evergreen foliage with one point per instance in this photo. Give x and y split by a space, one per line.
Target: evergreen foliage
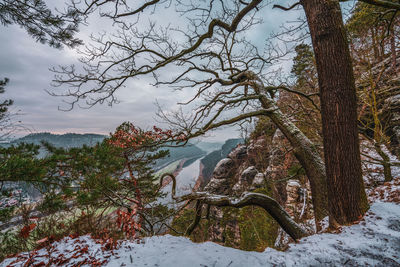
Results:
304 67
372 31
6 124
115 176
41 22
19 163
6 103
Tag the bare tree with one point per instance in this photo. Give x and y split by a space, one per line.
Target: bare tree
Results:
225 71
214 58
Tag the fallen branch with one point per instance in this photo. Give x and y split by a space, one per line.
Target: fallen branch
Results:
269 204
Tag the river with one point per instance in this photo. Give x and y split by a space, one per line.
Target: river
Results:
185 181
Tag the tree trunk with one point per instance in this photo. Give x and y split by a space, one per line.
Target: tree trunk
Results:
304 150
393 49
308 156
382 43
374 45
387 171
197 218
346 194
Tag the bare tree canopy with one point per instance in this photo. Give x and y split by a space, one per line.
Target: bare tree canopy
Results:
212 53
211 56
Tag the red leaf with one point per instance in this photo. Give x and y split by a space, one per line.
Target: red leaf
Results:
26 230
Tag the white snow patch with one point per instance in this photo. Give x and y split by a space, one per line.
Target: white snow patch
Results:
373 170
293 183
388 192
375 241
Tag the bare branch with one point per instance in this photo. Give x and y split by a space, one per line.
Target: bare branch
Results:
269 204
286 8
381 3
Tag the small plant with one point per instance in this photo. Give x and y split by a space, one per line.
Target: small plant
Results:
6 213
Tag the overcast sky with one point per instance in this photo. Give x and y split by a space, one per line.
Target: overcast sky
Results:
26 63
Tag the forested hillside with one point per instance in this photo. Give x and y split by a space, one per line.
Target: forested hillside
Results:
71 140
61 140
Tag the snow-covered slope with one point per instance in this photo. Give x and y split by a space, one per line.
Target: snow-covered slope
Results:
375 241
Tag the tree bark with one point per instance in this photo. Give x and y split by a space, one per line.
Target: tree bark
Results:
375 45
269 204
346 194
308 156
197 218
304 150
387 171
393 49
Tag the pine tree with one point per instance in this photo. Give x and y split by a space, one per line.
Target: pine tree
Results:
304 68
41 22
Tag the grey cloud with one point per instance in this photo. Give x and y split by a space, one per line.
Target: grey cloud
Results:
26 63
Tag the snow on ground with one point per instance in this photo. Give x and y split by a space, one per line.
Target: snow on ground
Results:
388 192
375 241
373 170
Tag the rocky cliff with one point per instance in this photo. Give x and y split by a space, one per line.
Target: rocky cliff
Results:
266 164
209 162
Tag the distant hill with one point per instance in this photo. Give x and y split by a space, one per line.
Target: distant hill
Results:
189 151
61 140
209 146
77 140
